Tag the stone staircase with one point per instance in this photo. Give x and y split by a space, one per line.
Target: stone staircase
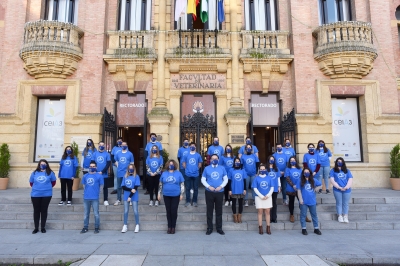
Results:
377 209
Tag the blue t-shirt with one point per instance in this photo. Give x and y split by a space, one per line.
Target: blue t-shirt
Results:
289 152
101 158
324 157
131 182
42 186
192 164
154 164
280 161
114 151
341 179
249 163
214 176
226 162
308 192
274 175
242 149
294 174
150 145
263 184
237 184
312 160
181 153
171 183
123 159
218 150
92 183
68 167
88 158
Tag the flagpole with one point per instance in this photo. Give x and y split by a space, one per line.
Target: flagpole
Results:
216 14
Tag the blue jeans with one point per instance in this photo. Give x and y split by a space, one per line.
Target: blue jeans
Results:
342 202
135 211
115 177
191 182
86 206
303 215
248 187
283 187
324 173
119 188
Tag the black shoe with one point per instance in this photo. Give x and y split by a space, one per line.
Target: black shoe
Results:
219 231
96 230
320 191
304 232
209 232
35 231
328 192
317 232
43 230
114 191
84 230
274 221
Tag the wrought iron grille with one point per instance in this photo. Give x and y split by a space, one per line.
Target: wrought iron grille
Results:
287 128
109 133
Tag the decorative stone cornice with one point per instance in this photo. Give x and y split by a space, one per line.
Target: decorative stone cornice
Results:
345 49
51 49
219 65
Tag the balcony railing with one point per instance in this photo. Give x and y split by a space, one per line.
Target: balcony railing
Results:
344 36
131 44
264 44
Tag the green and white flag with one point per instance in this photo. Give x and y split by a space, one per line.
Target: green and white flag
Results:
204 11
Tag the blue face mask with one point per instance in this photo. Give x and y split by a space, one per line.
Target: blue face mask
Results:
214 162
124 147
186 144
306 174
216 143
279 149
248 142
92 169
321 145
249 150
131 170
293 163
101 148
340 164
287 144
153 139
228 150
311 149
271 161
119 143
263 172
171 167
89 144
69 152
237 164
154 151
192 148
43 166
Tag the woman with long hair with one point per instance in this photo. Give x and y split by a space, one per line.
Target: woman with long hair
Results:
292 174
154 166
88 155
42 181
342 180
66 174
226 160
325 156
274 174
237 188
130 184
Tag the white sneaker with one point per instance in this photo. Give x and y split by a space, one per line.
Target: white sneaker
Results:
151 203
156 204
117 203
124 229
191 191
286 202
130 203
226 203
69 203
230 203
106 203
345 219
246 203
137 228
340 219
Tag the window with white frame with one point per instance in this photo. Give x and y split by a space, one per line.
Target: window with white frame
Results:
186 21
134 15
62 10
334 10
261 14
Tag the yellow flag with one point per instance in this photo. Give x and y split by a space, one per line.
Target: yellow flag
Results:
191 7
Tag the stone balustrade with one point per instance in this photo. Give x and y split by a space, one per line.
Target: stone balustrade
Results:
261 44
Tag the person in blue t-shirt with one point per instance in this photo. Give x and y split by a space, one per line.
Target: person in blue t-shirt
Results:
292 174
116 149
237 188
307 186
242 149
130 184
215 148
154 166
250 164
122 161
311 160
281 162
153 141
325 156
288 149
103 161
92 183
42 181
172 186
263 187
226 160
87 155
66 174
182 151
274 174
342 180
192 163
214 179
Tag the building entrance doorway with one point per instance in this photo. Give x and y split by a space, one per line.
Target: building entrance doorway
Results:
265 139
135 138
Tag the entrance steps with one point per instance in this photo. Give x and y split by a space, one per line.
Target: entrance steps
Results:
377 209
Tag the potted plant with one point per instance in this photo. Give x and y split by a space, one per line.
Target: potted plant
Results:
77 179
395 167
4 166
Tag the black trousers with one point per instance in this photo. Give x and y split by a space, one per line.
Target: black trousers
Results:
105 188
66 183
226 193
234 205
171 206
40 206
214 200
291 203
274 206
153 185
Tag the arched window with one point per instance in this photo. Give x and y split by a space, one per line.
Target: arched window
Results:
261 14
397 13
62 10
134 15
334 10
186 21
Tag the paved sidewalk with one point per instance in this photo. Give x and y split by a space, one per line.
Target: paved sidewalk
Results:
195 248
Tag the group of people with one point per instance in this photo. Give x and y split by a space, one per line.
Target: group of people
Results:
228 177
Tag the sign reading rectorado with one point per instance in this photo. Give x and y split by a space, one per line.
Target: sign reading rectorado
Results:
198 81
